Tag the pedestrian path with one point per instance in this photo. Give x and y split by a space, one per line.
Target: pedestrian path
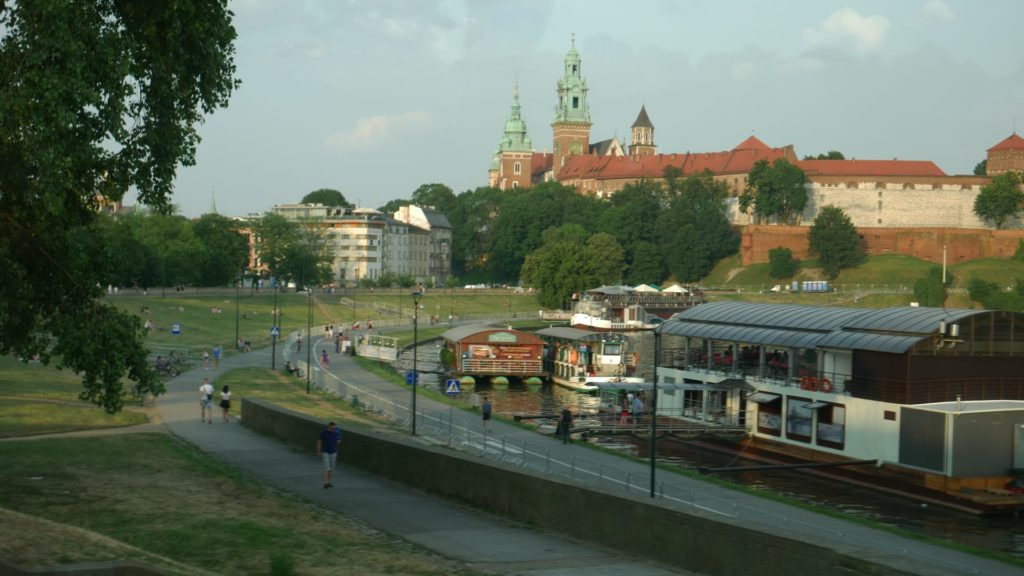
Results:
484 542
493 544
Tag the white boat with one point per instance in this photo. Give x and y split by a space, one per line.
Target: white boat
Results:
582 359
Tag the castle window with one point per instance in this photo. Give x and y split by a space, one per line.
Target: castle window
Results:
515 184
517 168
575 101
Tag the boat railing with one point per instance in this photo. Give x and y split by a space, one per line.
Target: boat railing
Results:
500 366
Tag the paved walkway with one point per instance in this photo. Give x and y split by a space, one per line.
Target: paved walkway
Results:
492 544
484 542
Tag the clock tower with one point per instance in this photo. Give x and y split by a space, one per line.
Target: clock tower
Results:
571 127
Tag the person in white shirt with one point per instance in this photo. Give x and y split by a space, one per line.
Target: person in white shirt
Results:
206 401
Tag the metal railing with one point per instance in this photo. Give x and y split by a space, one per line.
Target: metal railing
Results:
673 492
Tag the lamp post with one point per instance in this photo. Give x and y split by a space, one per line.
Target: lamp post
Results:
654 404
237 288
309 334
415 339
273 335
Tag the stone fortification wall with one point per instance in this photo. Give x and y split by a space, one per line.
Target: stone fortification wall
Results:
692 541
962 244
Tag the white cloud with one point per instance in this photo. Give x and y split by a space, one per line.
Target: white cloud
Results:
938 10
846 28
375 131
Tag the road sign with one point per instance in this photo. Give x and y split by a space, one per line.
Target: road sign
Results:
452 387
411 377
175 329
275 331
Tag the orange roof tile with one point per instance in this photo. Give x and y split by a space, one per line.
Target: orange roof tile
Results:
752 143
1012 142
540 163
870 168
738 161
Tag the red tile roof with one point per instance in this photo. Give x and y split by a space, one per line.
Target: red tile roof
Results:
739 160
1012 142
870 168
540 163
752 143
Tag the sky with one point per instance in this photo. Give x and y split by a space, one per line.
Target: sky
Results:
375 98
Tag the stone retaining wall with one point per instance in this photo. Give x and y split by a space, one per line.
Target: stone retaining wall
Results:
691 541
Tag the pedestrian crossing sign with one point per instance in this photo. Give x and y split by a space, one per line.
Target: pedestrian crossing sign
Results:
452 387
275 331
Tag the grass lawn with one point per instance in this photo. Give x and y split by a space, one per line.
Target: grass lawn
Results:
152 498
37 399
1002 271
208 320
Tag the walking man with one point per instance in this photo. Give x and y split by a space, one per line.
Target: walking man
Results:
638 409
206 401
565 424
216 356
327 449
485 409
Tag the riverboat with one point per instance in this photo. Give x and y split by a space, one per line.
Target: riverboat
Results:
935 396
582 359
624 308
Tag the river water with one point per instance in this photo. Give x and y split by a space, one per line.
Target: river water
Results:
1002 533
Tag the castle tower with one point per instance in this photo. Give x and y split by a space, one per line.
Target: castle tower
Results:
1006 155
511 166
643 135
571 127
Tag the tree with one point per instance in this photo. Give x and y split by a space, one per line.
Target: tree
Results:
568 262
782 263
628 218
930 291
775 191
835 241
981 168
226 249
830 155
693 231
471 221
1000 199
438 196
327 197
96 97
293 251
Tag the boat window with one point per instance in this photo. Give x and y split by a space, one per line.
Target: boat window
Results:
831 428
612 348
769 417
798 419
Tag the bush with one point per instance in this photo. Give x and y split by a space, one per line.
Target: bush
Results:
783 265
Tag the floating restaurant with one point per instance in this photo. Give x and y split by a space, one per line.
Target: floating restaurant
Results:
932 394
478 353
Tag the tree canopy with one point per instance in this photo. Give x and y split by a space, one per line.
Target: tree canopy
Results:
830 155
693 231
981 168
327 197
569 262
96 97
1000 199
775 192
834 239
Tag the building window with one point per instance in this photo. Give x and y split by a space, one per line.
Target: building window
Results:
515 184
517 168
575 101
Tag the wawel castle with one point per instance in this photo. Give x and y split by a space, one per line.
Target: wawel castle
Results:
908 206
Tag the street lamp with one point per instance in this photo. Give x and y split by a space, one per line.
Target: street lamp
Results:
274 331
237 288
309 334
654 403
415 339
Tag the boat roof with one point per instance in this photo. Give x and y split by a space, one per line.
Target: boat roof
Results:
972 406
650 386
567 333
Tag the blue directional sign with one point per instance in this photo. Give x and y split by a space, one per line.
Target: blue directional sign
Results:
411 377
452 387
275 331
175 329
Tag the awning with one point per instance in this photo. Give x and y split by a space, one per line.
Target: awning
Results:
763 397
815 405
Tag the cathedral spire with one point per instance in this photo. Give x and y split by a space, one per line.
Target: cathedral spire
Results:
571 126
515 137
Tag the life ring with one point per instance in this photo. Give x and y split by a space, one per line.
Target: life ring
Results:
826 385
806 383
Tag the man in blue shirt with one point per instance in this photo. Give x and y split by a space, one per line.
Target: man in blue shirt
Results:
327 449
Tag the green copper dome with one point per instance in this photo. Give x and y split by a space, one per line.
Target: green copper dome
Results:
572 90
515 138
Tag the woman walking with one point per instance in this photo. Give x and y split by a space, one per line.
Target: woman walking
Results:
225 401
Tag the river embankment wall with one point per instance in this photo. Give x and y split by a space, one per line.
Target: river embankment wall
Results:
693 541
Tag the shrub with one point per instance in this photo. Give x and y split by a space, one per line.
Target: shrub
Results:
783 265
